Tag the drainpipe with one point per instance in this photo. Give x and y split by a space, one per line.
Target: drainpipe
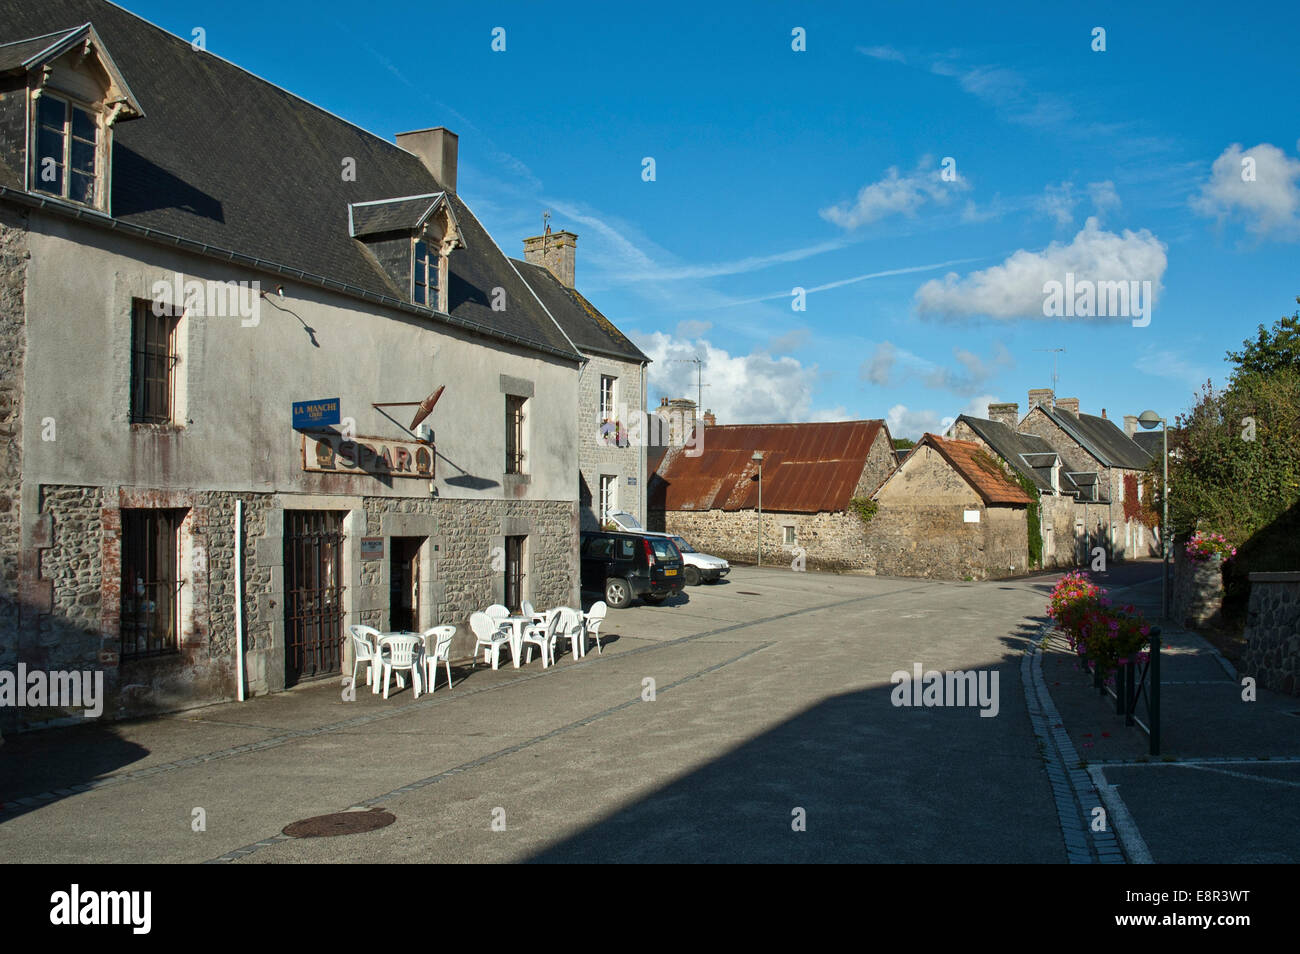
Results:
239 596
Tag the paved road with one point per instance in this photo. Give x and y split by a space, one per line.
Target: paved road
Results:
772 702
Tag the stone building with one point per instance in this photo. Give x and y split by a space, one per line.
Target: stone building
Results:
1103 463
1032 458
811 475
213 295
949 512
612 431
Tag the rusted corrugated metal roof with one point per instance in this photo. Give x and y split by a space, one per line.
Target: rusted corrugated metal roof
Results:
807 468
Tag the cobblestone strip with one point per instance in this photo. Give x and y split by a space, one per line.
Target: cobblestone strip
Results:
1072 788
239 853
17 805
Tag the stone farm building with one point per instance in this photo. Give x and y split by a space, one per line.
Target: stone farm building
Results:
811 475
950 512
210 287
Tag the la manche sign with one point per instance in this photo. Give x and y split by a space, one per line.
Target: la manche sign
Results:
329 452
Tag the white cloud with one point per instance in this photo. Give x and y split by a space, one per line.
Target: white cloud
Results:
904 422
975 373
755 388
895 194
1269 203
883 53
790 341
1058 202
1014 289
1104 197
878 369
693 329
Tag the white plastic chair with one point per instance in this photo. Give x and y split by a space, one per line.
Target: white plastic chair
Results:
488 634
400 654
497 611
437 649
570 628
543 637
363 651
596 616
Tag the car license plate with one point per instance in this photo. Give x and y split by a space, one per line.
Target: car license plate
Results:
670 572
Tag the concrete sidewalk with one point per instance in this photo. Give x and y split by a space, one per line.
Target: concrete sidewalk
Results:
1226 784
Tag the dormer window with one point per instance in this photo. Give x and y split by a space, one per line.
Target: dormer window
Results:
67 150
424 275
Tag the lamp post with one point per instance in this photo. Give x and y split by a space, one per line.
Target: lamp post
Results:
758 456
1150 419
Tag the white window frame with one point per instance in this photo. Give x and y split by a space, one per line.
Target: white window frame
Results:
102 132
608 497
608 407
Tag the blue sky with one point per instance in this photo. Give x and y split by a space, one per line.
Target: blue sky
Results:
776 169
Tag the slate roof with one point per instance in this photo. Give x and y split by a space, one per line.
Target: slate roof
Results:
586 327
978 469
227 160
1100 437
392 215
15 53
807 468
1012 447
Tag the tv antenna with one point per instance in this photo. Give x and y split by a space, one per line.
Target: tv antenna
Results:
1056 353
699 379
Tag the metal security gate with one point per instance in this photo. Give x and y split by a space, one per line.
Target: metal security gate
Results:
313 594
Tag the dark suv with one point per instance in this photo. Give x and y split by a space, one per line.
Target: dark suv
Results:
627 565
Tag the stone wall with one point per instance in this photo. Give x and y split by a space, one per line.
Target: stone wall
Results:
1272 653
13 345
934 541
80 564
825 541
1060 545
1197 589
596 454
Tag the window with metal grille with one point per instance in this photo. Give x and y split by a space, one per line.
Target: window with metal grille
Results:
153 361
514 434
67 150
150 617
514 589
425 275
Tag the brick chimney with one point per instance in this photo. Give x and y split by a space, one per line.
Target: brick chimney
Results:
1008 414
1130 424
1039 396
437 149
556 252
1068 404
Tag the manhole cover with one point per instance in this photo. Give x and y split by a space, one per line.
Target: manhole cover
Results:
747 593
340 823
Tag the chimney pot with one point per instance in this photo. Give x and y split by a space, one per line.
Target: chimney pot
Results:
1130 424
556 252
1008 414
1045 396
437 148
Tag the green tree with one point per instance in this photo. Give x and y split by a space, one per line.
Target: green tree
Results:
1272 350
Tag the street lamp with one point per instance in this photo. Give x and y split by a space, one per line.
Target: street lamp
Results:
758 456
1149 420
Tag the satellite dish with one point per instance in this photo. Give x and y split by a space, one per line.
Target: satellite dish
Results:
426 407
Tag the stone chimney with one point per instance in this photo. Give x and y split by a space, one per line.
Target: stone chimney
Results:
1130 424
437 149
556 252
1039 396
709 419
678 416
1068 404
1008 414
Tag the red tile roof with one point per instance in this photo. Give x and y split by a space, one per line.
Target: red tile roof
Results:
807 468
979 469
